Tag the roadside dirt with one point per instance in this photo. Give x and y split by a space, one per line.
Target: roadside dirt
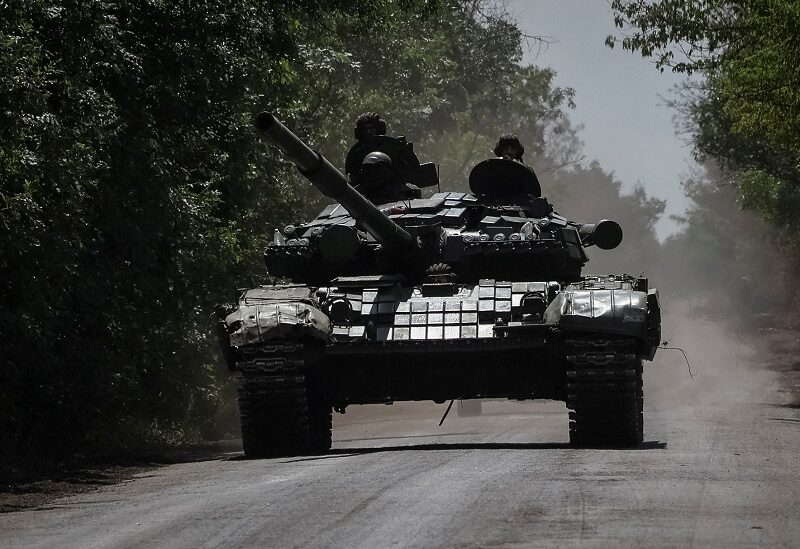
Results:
781 347
65 480
41 491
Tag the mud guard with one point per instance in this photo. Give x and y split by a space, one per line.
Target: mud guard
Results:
622 312
279 312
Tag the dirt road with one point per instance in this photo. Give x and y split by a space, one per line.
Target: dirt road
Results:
719 469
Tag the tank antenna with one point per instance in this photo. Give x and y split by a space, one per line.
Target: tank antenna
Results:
686 358
446 412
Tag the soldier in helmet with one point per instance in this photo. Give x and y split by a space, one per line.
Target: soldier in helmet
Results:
378 183
375 178
509 147
368 126
378 165
505 176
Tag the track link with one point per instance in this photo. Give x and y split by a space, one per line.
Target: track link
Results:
604 392
282 412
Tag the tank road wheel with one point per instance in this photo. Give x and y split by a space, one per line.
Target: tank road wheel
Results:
604 393
282 413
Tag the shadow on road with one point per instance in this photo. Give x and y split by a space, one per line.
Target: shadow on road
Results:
345 452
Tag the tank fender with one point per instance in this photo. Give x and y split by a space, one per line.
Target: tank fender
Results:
653 323
276 313
600 311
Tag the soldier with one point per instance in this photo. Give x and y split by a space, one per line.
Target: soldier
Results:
379 184
375 178
379 166
369 123
507 175
509 147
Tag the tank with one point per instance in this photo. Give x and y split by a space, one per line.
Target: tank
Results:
457 296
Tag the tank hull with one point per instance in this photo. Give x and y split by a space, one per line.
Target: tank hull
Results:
514 368
379 340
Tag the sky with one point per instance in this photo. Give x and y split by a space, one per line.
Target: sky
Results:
619 97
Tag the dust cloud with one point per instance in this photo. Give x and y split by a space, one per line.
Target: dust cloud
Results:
727 366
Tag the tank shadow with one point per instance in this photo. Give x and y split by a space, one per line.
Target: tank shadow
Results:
346 452
371 439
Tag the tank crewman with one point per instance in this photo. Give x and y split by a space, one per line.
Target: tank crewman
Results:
506 176
376 177
509 147
369 123
378 184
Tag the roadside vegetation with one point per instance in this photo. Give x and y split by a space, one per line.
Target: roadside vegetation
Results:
741 108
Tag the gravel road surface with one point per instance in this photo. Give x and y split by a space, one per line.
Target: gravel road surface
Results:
719 469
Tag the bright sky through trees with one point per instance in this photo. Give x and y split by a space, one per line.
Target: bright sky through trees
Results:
627 127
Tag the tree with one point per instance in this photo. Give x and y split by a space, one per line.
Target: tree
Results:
727 255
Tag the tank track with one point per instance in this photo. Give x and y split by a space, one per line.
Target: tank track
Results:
604 392
282 413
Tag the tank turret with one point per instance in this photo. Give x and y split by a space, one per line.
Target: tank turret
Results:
505 229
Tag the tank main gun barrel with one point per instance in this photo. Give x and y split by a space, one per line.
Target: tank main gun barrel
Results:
604 234
332 183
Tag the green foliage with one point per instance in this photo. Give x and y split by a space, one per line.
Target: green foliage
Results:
133 200
684 36
748 116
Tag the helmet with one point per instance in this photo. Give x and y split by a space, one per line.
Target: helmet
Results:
367 121
377 157
376 170
509 140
